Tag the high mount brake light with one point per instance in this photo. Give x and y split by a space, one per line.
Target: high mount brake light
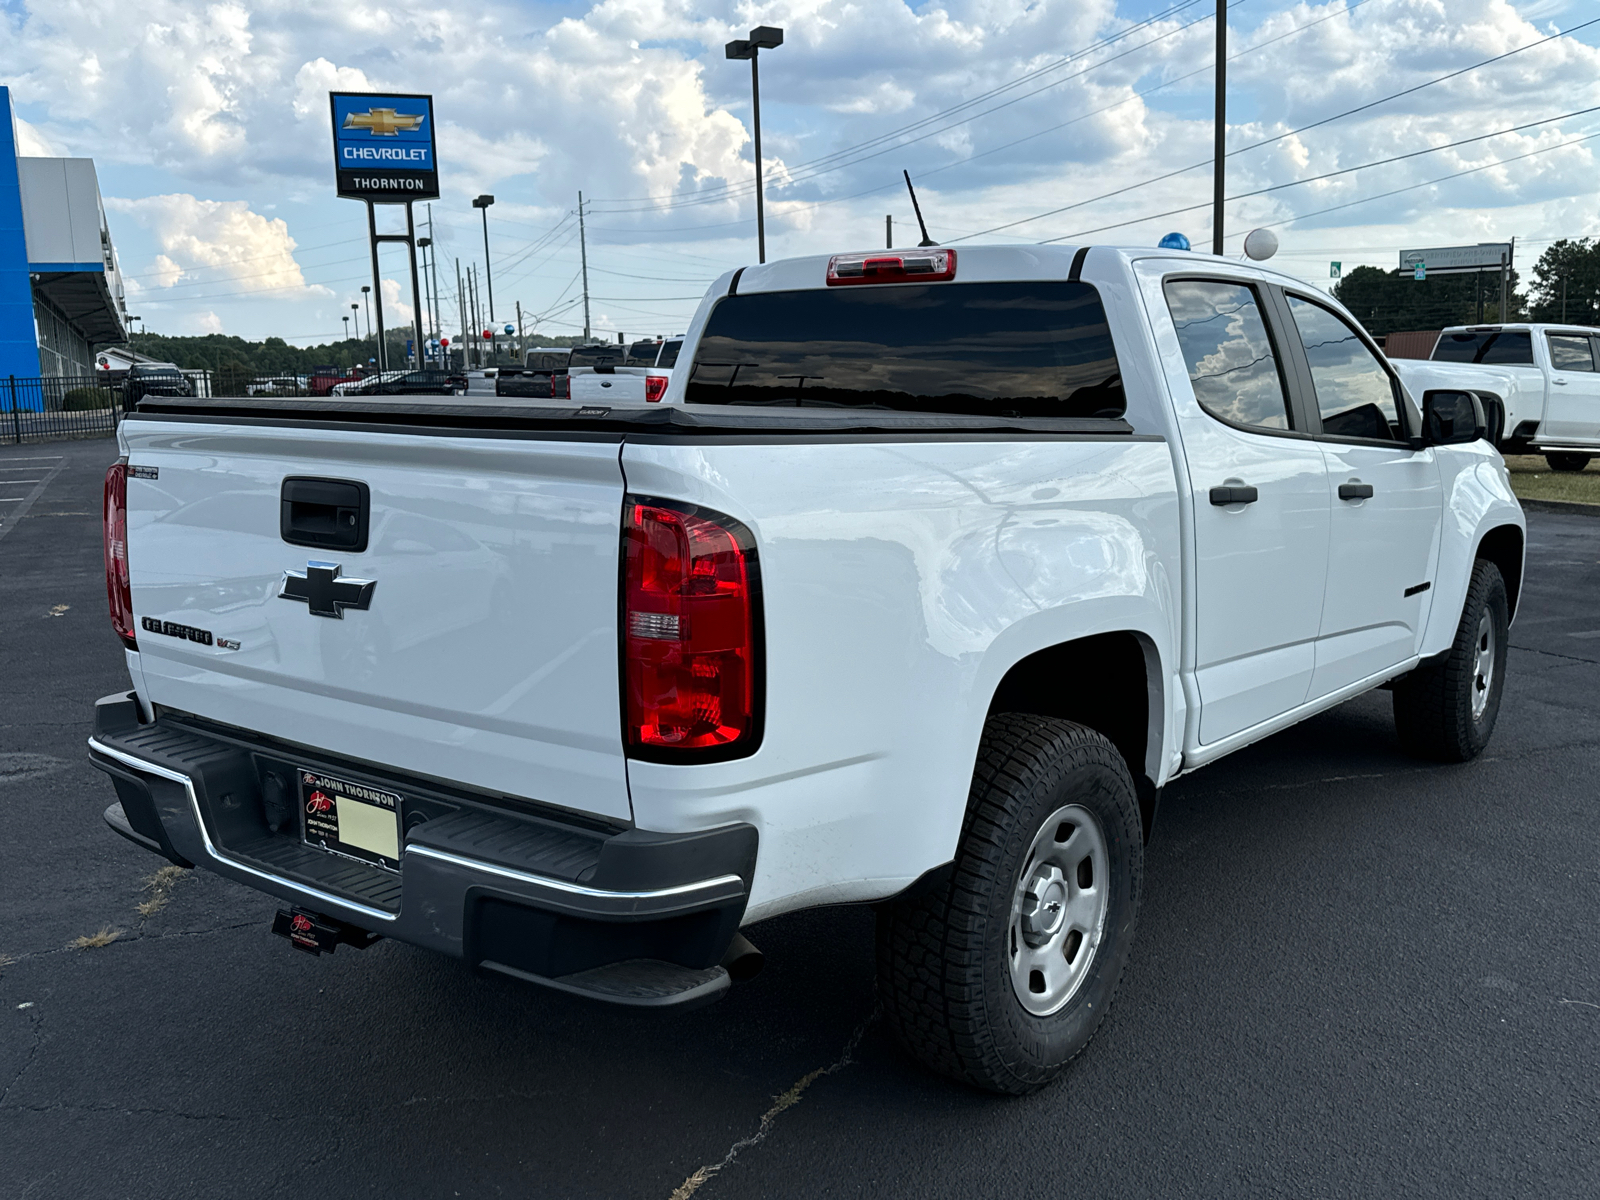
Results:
901 266
689 632
655 387
119 590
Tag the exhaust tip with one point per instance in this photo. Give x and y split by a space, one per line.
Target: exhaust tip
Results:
742 961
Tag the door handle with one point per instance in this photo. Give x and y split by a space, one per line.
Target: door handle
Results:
1237 494
1559 382
1355 491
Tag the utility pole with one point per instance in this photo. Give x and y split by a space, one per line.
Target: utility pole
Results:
477 321
461 315
888 231
1219 131
522 350
583 252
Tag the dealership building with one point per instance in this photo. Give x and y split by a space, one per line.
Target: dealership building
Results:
60 289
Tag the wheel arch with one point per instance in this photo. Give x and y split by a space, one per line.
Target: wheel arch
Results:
1503 546
1126 700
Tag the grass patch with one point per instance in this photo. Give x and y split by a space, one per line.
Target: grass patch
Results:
1532 479
94 941
160 887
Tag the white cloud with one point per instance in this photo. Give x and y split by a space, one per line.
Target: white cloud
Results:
31 143
208 241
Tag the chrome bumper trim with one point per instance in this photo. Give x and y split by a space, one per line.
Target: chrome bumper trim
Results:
574 889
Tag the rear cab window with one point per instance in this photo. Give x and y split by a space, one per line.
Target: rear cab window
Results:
1025 349
596 356
1486 347
1228 352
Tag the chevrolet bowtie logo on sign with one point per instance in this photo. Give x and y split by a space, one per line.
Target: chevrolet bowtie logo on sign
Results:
384 122
383 147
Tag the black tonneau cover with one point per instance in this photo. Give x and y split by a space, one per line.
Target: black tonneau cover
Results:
632 422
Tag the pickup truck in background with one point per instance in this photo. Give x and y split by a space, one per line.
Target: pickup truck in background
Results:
934 568
638 374
1539 384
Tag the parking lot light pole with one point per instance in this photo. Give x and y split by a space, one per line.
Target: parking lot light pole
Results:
762 37
482 203
366 295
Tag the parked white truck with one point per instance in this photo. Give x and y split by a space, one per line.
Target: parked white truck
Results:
934 568
1539 385
636 374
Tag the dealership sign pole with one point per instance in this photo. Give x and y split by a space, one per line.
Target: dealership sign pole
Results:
384 153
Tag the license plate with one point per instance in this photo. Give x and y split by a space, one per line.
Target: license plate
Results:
349 818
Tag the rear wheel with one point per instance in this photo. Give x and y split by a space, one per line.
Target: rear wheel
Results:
1567 460
1446 708
1003 975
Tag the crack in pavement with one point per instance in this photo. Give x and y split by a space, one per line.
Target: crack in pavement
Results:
1552 654
130 939
697 1179
36 1020
61 1106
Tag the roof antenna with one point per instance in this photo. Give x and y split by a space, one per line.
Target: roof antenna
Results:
926 240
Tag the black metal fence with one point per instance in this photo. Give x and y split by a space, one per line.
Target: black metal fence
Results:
58 406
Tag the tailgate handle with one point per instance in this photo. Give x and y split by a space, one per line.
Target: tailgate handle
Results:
328 514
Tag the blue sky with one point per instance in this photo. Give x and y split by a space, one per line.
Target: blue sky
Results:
209 127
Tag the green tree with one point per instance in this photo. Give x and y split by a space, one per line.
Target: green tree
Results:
1566 283
1390 301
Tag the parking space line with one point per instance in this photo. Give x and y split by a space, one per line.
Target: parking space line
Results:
14 516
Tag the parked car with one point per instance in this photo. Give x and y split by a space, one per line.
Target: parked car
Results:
407 383
924 580
154 379
1539 383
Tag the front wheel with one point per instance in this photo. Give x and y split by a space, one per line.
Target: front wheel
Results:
1567 461
1002 976
1446 708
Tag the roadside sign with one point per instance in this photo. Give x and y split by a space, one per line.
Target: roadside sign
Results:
383 147
1446 260
1419 270
1334 270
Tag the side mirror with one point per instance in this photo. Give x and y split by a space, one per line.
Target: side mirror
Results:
1451 418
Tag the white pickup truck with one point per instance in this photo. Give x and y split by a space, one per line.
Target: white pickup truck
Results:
637 374
1539 384
923 582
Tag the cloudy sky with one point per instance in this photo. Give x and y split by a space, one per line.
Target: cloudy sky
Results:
210 130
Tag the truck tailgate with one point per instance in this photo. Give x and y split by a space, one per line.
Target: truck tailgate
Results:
487 654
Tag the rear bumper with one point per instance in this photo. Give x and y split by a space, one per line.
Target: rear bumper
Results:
523 893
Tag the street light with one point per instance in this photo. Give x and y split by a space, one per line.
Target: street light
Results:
483 202
366 295
762 37
346 328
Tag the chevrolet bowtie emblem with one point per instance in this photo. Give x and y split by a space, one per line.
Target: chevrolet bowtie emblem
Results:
384 122
326 594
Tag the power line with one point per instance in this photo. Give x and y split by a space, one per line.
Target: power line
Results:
1269 141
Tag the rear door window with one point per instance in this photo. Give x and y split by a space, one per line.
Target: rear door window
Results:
1490 347
1228 352
1571 352
1038 349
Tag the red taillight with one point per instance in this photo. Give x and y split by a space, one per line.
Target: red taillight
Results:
900 266
689 630
655 387
119 591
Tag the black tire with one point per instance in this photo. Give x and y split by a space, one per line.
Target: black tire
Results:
945 958
1567 460
1433 706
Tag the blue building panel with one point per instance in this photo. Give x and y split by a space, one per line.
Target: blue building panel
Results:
19 347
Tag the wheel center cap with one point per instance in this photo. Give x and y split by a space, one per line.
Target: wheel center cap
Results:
1044 905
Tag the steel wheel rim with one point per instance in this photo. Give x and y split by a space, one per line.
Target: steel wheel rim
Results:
1058 910
1483 665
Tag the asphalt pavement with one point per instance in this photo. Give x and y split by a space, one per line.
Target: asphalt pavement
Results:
1356 975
